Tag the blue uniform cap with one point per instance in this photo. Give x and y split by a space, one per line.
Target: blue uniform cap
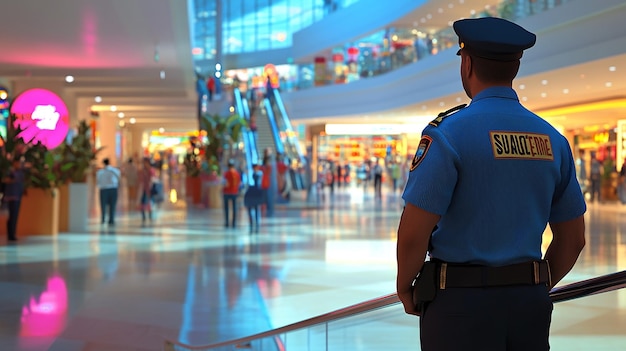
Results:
493 38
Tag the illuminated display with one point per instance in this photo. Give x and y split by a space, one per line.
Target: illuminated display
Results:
42 116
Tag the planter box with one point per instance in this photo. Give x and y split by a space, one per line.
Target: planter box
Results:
64 208
79 206
42 205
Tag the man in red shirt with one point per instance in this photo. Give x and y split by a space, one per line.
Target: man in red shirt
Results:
232 179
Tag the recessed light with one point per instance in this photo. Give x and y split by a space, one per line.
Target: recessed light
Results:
612 68
543 95
450 5
424 107
458 99
442 104
544 82
120 115
161 130
132 120
472 12
69 79
98 99
122 124
565 91
522 86
608 84
440 10
162 74
524 98
113 108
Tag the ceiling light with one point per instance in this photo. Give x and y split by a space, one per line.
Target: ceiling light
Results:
429 16
162 74
132 120
161 130
98 99
69 79
524 98
440 10
120 115
218 75
458 99
473 12
522 86
612 68
565 91
113 108
543 95
218 67
544 82
423 107
122 124
461 1
442 104
450 5
608 84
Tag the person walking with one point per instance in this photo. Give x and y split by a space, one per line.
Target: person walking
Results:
108 179
232 181
378 179
484 183
253 198
595 177
12 198
146 176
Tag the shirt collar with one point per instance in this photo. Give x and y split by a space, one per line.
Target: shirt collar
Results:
499 92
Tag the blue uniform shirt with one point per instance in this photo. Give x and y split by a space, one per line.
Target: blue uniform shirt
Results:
496 174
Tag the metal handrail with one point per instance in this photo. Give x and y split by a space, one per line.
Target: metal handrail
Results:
601 284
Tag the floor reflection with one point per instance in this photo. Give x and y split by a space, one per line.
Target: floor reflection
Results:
185 277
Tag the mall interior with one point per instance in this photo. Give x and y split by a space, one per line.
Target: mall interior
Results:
323 90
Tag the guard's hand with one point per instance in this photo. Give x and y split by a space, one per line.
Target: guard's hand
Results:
407 300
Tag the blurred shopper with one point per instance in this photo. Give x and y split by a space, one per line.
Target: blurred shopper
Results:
266 184
254 197
595 177
581 171
132 181
146 176
395 173
12 198
622 183
210 86
484 183
108 179
378 178
232 181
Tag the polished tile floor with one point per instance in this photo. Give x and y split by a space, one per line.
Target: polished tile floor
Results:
187 278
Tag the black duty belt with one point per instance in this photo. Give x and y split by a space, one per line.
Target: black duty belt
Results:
452 275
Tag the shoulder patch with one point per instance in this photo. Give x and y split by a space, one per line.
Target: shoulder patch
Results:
422 149
440 117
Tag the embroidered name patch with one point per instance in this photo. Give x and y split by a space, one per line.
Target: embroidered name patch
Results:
516 145
422 148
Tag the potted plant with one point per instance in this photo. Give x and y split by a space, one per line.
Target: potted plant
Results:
222 132
77 157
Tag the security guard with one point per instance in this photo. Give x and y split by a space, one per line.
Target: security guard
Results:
484 183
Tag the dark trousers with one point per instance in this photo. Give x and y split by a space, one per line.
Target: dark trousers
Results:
512 318
378 184
14 210
230 201
108 199
595 188
253 216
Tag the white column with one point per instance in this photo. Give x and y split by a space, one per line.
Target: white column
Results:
106 130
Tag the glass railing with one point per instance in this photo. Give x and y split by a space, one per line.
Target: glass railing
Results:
247 136
381 324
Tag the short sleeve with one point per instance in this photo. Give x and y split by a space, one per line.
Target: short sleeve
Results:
433 174
568 201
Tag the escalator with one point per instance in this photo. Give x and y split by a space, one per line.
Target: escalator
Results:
273 131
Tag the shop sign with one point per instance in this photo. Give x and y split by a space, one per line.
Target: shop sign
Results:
42 116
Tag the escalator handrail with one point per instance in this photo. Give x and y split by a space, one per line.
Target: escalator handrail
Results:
288 127
601 284
275 131
248 140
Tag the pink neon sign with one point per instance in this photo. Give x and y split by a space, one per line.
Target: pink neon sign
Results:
43 117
